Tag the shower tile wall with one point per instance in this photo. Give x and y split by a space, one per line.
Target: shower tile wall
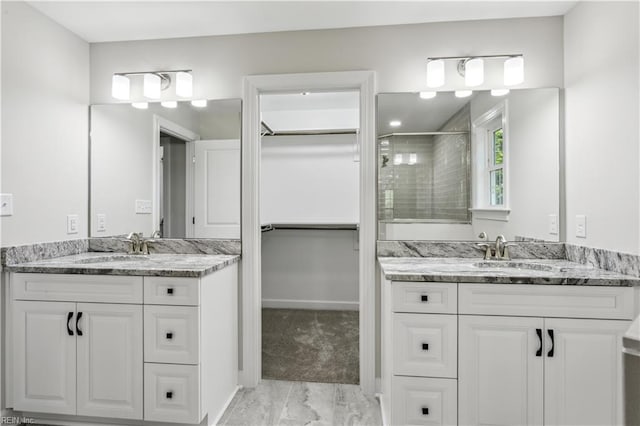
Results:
434 184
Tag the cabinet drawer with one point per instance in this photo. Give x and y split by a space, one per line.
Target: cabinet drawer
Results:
171 334
77 288
546 301
172 291
425 345
172 393
431 298
422 401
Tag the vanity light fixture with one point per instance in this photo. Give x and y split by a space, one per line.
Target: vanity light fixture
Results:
169 104
184 84
472 69
199 103
463 93
152 86
499 92
120 87
395 123
140 105
428 95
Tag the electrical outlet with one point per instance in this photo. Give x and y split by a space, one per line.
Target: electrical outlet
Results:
101 222
553 224
72 224
143 206
581 226
6 204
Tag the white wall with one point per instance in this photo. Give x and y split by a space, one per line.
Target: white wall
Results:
397 53
45 97
601 124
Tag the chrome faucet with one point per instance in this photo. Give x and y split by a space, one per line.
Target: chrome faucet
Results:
135 241
498 251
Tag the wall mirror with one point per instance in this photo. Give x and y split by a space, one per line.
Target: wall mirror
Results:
169 171
452 167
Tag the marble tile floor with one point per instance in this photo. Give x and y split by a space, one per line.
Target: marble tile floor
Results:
285 403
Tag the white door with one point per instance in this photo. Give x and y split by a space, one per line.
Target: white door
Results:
583 374
500 371
110 370
217 189
44 354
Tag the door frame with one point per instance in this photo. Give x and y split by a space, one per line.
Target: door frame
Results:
251 305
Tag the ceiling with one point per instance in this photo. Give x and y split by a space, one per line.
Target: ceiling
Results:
104 21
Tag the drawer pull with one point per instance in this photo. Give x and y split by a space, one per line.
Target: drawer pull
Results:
553 344
69 330
424 297
170 291
425 346
169 395
425 411
539 333
78 331
169 335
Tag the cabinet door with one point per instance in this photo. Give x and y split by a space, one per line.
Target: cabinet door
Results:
500 374
583 374
110 369
44 357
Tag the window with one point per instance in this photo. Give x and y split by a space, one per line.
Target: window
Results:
490 164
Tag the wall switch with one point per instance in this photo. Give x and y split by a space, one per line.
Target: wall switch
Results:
6 204
581 226
101 222
553 224
143 206
72 224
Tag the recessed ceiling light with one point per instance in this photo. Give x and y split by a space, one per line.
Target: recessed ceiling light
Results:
499 92
395 123
428 95
463 93
140 105
199 103
169 104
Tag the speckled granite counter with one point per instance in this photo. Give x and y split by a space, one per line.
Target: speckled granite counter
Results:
98 263
518 271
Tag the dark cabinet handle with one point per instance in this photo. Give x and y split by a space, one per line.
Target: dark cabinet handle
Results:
425 346
553 344
425 411
170 291
169 395
539 333
424 297
78 331
69 330
169 335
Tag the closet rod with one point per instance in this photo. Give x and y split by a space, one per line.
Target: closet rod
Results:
314 132
310 226
423 134
269 130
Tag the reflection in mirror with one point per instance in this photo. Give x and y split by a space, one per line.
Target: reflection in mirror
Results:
450 168
169 172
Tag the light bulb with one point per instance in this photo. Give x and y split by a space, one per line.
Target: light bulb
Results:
184 84
199 103
428 95
463 93
152 86
140 105
474 72
435 73
169 104
120 87
514 71
499 92
395 123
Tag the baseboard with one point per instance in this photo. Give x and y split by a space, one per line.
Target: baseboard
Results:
226 405
330 305
383 410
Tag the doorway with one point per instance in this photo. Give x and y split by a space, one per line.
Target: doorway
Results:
254 86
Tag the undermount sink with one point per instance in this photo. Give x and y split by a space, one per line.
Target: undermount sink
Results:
497 264
113 258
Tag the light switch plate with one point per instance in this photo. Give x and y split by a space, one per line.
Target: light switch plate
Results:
6 204
101 222
553 224
143 206
581 226
72 224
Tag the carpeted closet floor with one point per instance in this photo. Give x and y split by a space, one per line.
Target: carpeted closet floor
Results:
310 346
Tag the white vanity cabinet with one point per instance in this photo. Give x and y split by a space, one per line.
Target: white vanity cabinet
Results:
155 349
526 354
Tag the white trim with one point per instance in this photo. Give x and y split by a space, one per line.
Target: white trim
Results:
328 305
501 215
383 410
224 407
364 81
161 124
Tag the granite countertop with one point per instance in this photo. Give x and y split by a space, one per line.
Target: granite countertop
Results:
102 263
517 271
